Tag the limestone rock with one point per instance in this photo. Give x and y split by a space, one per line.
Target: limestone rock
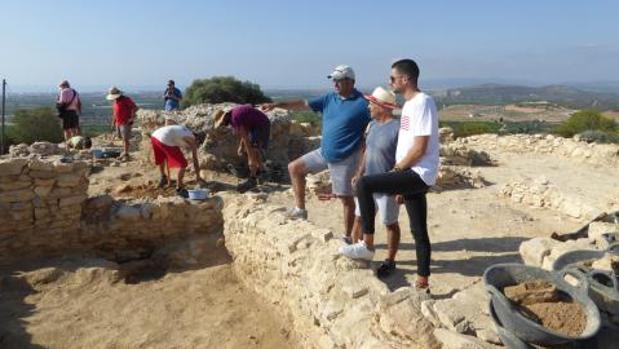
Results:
533 251
11 167
455 340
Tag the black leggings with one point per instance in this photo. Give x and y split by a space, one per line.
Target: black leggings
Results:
414 189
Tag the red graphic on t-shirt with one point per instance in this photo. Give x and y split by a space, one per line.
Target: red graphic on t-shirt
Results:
404 122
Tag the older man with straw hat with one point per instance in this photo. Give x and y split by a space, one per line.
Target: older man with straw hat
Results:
124 110
379 157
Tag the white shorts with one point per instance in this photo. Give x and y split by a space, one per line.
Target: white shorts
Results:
387 207
341 172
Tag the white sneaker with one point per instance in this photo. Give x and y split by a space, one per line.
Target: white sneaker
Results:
357 251
296 213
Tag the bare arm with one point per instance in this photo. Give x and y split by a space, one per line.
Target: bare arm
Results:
191 142
415 153
290 105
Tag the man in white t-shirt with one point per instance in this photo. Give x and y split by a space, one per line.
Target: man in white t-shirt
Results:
416 169
167 142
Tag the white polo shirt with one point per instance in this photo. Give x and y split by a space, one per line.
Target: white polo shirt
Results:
420 118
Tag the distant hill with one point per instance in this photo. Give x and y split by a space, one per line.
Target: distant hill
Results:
497 94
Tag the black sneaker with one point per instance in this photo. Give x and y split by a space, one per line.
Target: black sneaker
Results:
250 183
182 192
386 268
163 181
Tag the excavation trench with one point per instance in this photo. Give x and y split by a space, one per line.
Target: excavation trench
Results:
184 294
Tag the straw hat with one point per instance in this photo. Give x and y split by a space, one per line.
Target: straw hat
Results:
383 98
113 94
220 117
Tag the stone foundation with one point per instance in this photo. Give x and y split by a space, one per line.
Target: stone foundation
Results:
45 211
331 302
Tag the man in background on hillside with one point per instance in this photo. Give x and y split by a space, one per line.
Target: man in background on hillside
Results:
345 116
172 97
69 108
253 128
123 109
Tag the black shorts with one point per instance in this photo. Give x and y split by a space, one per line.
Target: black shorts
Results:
70 119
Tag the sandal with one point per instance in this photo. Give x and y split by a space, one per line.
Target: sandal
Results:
347 239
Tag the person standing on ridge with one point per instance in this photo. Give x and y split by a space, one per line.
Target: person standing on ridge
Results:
415 171
345 116
378 157
69 108
124 110
172 97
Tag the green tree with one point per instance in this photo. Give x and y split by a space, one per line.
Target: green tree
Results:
585 120
40 124
223 89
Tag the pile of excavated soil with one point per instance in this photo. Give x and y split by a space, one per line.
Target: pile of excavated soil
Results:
146 190
542 302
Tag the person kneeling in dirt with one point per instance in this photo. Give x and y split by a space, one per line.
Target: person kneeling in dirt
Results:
253 128
378 157
79 142
167 142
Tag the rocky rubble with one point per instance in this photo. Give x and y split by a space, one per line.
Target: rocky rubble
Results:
541 193
288 139
40 149
569 148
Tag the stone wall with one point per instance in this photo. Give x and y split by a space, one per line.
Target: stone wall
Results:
45 211
330 301
40 204
570 148
541 193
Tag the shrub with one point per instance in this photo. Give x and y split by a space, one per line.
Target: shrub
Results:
307 116
33 125
223 89
586 120
591 136
470 128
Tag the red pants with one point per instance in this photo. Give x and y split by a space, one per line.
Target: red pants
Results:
173 155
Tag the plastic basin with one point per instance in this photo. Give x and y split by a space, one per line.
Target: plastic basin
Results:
198 194
500 276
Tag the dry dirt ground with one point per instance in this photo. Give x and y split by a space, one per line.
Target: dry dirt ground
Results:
84 303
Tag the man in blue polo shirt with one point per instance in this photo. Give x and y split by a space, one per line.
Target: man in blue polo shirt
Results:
345 116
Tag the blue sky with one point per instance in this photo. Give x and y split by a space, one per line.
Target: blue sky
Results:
294 44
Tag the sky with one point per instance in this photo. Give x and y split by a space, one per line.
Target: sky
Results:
140 44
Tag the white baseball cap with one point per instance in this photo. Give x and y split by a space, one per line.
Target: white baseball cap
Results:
342 72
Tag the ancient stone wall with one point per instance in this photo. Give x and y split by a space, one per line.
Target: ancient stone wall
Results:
541 193
330 301
569 148
40 204
45 210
